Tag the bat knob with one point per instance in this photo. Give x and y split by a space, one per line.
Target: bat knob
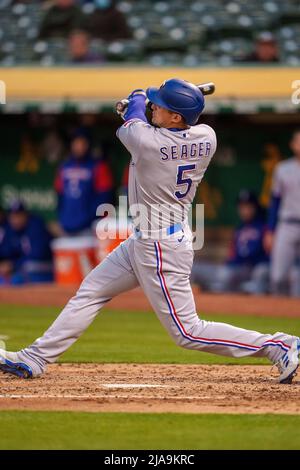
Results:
207 88
121 107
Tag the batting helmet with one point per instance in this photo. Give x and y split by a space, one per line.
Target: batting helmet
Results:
180 97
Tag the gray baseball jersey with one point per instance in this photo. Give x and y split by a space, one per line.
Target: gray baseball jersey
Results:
166 166
286 246
286 185
165 170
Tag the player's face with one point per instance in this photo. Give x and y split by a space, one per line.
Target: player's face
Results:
18 220
79 147
162 117
79 45
64 3
266 51
246 211
295 144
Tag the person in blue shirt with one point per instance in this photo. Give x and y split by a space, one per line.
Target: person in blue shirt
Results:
247 244
25 254
247 266
3 219
82 184
3 225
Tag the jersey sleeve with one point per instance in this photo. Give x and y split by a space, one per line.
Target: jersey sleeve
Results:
214 141
133 134
277 183
273 212
213 138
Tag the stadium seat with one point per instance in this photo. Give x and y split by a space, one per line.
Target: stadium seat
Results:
193 31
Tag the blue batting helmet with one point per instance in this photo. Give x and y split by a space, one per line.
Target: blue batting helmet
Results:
180 97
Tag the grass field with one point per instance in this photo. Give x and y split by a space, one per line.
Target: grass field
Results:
126 336
137 337
62 430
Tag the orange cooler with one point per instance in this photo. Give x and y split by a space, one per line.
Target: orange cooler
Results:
74 258
121 229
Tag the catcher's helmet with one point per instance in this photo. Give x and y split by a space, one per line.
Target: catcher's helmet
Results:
179 96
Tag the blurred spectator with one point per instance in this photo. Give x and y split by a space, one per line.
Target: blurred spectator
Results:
79 49
266 49
25 254
247 266
2 217
52 147
283 236
61 18
107 23
3 223
82 184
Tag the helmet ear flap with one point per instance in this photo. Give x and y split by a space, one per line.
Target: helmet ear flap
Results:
149 105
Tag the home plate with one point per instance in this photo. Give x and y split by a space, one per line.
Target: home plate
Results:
134 386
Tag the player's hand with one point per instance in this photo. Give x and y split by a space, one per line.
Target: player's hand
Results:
121 107
268 241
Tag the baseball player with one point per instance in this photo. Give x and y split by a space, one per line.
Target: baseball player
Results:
25 254
81 184
246 268
168 161
283 236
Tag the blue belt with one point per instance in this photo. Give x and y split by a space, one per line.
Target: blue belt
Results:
173 229
168 230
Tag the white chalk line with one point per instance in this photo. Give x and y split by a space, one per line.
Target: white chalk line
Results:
134 386
95 397
129 386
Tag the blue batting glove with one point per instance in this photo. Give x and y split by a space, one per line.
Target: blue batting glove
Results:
138 91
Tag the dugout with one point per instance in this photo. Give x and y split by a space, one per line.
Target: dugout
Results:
252 112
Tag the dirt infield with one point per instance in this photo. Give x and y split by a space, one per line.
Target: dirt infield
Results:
152 388
56 296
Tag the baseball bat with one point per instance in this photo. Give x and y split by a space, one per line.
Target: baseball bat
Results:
206 89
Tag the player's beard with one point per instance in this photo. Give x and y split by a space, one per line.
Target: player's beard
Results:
153 121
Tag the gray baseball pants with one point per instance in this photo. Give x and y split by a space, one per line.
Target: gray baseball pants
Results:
286 250
162 269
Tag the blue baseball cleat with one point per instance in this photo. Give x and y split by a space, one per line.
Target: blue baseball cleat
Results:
289 363
11 364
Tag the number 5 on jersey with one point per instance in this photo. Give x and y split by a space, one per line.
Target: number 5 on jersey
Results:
181 180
